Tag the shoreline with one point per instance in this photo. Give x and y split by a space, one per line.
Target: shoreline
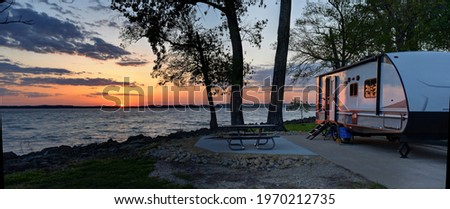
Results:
176 162
64 155
31 130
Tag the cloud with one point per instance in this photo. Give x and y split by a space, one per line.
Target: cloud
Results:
9 80
17 75
106 22
14 73
260 77
100 6
111 22
45 87
123 94
36 94
101 50
7 92
127 61
7 68
51 35
96 94
74 8
73 81
29 6
58 8
4 59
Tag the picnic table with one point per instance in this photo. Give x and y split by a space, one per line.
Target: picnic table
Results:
249 132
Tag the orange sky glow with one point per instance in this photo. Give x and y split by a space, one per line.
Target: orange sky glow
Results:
71 55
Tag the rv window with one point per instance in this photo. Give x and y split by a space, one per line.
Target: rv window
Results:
354 89
370 88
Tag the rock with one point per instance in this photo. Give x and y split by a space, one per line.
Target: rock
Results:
50 150
178 135
108 144
9 155
287 162
263 164
257 162
66 150
133 138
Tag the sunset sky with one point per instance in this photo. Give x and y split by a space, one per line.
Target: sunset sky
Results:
71 52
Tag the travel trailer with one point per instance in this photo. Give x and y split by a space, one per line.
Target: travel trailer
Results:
402 95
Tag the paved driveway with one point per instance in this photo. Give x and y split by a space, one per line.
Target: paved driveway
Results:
378 160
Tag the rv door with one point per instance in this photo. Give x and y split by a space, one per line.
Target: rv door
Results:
327 98
331 97
333 101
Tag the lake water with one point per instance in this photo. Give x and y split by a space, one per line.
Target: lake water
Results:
29 130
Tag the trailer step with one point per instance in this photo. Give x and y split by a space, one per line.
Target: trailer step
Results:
317 130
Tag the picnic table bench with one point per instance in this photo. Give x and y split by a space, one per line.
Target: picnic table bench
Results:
247 132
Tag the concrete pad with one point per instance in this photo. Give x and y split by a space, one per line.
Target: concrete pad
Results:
282 147
378 160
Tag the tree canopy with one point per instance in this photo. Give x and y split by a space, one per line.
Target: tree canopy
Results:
190 51
336 33
410 25
157 19
329 35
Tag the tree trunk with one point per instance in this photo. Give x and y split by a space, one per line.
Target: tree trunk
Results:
205 70
275 115
212 107
237 74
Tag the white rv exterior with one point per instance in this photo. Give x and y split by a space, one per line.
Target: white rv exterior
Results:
403 94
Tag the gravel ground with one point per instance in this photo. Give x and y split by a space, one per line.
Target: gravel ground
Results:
312 173
211 176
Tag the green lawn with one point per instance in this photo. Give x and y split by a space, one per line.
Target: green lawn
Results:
98 174
304 127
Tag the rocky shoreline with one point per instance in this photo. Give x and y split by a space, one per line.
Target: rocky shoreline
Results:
57 157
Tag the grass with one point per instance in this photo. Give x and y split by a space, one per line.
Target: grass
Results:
303 127
98 174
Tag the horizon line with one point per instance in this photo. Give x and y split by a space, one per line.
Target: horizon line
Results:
133 106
